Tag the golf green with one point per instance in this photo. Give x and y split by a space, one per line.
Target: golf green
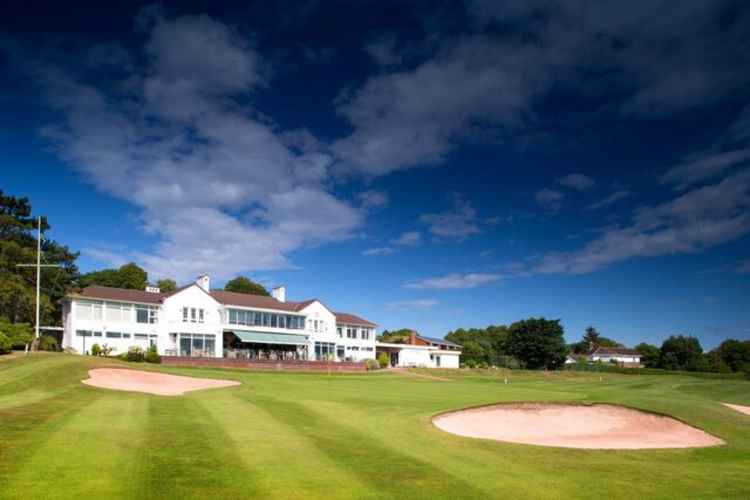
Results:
295 435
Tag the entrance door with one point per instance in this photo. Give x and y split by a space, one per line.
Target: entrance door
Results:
437 361
394 359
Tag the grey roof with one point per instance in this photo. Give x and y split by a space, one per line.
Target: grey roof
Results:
438 341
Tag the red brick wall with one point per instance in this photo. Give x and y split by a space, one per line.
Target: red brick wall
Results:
246 364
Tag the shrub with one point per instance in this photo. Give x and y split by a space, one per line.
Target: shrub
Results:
372 364
152 356
383 360
106 350
48 343
14 335
135 354
96 350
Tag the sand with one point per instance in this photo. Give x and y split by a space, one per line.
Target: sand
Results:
150 382
740 408
598 426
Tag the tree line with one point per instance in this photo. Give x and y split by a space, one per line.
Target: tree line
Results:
18 241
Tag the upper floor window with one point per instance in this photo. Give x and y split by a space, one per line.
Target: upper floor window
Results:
365 333
351 333
146 314
255 318
117 312
88 309
193 314
339 332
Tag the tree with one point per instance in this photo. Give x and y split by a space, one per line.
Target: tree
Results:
537 343
18 284
241 284
735 354
681 353
591 340
166 285
481 345
129 276
14 335
649 354
400 336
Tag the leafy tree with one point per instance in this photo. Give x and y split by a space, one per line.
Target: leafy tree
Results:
14 335
18 284
649 354
127 276
167 285
681 353
481 345
400 336
241 284
537 343
591 340
735 354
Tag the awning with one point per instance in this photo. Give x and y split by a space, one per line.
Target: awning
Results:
270 338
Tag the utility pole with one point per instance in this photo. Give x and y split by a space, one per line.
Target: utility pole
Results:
39 267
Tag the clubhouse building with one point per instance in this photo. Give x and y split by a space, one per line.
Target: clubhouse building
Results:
195 321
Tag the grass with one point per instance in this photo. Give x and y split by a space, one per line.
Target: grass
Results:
285 435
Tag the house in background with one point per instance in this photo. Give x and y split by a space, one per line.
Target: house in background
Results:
420 351
195 321
620 355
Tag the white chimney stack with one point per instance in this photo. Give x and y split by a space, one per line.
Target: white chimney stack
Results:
279 293
204 282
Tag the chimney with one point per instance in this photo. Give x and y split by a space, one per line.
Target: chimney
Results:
204 282
279 293
413 338
152 289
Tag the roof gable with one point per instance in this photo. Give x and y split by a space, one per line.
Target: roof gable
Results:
352 319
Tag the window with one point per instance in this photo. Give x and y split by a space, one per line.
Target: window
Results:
365 333
114 335
257 319
315 325
196 345
192 315
266 319
141 336
233 316
184 314
97 334
88 309
126 335
282 321
83 333
200 315
117 312
351 333
340 352
324 350
274 320
145 314
339 332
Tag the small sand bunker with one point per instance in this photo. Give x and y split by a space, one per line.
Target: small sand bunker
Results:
740 408
151 382
574 426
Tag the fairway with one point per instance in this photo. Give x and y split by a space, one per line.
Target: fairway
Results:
287 435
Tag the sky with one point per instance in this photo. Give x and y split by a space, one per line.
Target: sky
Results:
427 165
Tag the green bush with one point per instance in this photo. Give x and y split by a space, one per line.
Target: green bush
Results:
152 356
372 364
383 360
48 343
96 350
135 354
14 335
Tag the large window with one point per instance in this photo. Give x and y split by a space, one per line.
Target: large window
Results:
88 309
196 345
146 314
365 333
117 312
253 318
351 333
324 350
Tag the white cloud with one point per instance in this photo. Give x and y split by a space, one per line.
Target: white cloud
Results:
408 239
406 305
699 219
704 166
609 200
220 187
454 281
549 198
577 181
384 51
379 251
458 223
373 199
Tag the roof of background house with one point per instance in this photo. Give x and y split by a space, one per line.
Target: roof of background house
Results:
123 294
352 319
615 351
437 341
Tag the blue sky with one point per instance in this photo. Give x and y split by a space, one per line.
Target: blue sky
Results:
430 165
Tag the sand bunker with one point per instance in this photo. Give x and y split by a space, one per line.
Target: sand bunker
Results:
740 408
574 426
150 382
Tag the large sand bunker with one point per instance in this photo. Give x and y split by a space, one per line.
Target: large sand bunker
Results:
150 382
574 426
740 408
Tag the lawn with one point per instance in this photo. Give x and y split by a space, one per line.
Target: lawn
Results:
284 435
